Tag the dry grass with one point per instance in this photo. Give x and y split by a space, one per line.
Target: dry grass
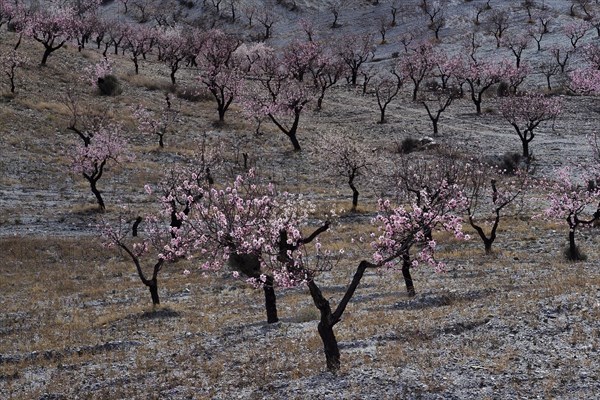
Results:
64 294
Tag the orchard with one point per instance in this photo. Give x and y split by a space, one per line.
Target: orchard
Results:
347 199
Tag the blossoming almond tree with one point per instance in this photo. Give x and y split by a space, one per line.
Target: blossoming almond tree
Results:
51 26
9 63
428 183
156 237
275 93
346 159
585 81
151 123
259 233
525 113
488 192
576 200
218 70
91 159
481 75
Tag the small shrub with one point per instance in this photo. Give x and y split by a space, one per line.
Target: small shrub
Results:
508 162
109 86
432 85
409 145
503 89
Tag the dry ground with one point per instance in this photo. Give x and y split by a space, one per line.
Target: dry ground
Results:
77 323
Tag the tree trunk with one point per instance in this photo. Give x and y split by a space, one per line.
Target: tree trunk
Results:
410 288
97 194
435 126
153 286
330 346
249 265
525 143
270 301
292 135
354 194
46 55
382 117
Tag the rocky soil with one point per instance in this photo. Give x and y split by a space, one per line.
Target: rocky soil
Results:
76 323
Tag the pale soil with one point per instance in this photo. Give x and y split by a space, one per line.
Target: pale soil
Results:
77 323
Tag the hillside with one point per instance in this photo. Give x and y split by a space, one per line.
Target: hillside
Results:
77 322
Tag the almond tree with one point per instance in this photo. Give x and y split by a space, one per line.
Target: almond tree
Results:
241 226
436 102
7 11
139 41
326 71
9 63
107 146
156 238
435 11
575 200
432 185
561 56
355 50
173 47
576 31
526 112
218 70
516 43
276 94
591 52
490 192
267 19
417 64
348 160
481 75
585 81
549 69
52 27
402 228
387 86
158 124
498 23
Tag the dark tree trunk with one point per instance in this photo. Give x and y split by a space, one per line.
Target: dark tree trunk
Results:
434 121
330 345
47 53
249 265
329 319
153 286
294 140
525 143
382 116
96 193
410 288
270 301
354 194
